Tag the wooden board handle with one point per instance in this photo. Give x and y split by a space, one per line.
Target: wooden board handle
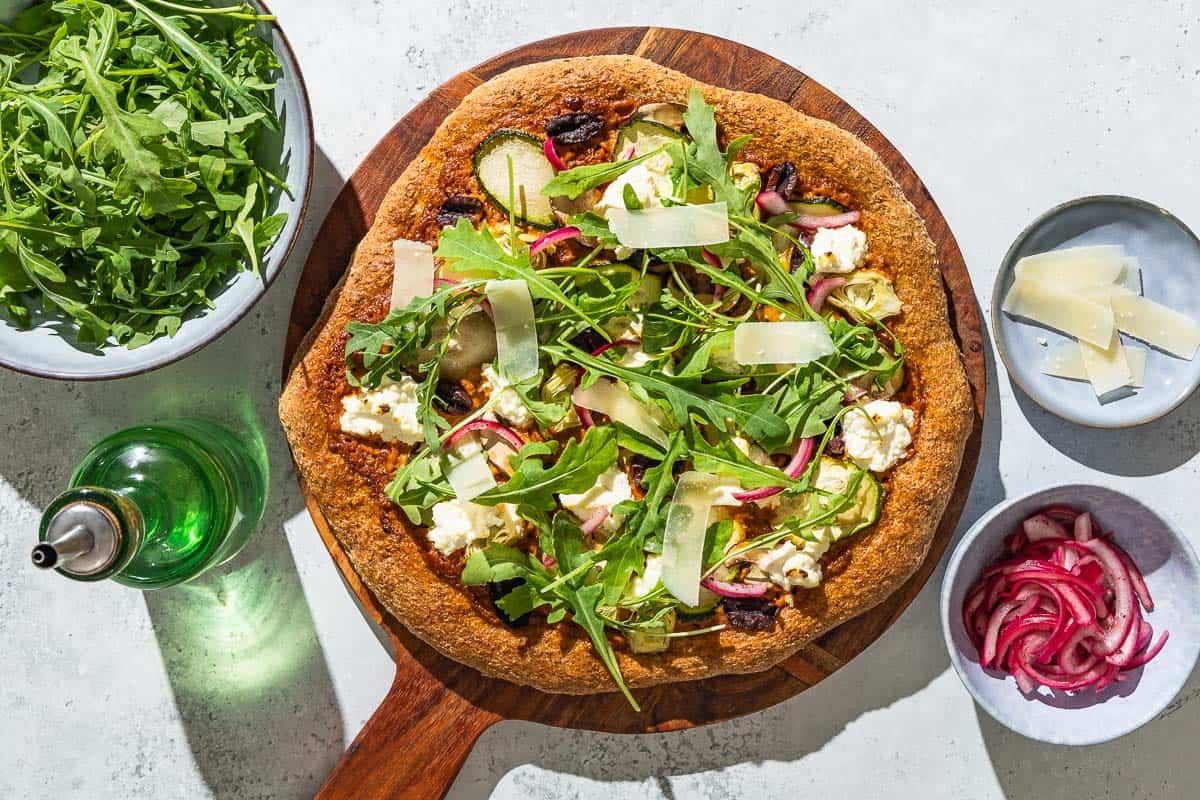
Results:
412 747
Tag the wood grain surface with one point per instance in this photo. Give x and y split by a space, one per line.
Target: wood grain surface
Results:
415 744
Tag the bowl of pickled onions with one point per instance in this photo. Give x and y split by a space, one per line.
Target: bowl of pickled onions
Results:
1072 614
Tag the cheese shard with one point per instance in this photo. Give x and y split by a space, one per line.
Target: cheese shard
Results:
781 342
612 398
1106 367
683 535
1074 266
516 329
670 226
412 271
469 474
1061 309
1065 360
1155 324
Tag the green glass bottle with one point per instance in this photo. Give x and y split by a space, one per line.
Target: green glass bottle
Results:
156 505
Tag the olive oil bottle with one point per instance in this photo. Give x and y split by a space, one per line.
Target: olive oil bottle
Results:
156 505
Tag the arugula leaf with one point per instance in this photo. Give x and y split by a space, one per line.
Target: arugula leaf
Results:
686 394
571 183
576 470
476 253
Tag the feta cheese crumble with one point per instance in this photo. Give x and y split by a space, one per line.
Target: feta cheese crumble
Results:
880 437
645 583
650 180
790 567
388 411
508 404
611 488
839 250
458 523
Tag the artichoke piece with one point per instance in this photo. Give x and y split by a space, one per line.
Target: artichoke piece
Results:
867 294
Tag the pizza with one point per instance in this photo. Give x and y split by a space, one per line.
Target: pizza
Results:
633 380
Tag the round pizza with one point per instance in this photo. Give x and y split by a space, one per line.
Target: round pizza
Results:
633 380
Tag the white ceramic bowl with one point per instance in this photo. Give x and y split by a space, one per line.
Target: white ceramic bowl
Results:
48 350
1172 574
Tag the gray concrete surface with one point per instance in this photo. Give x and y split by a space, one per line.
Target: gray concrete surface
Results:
250 684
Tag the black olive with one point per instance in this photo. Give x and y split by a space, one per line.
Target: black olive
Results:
637 469
459 206
782 178
836 445
498 590
453 397
797 259
750 613
573 128
588 340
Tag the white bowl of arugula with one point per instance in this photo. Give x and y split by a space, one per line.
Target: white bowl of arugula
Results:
156 171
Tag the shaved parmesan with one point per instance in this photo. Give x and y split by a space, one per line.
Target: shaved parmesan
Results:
412 271
1075 266
1106 367
1155 324
1065 360
1065 311
670 226
781 342
611 398
683 535
469 474
516 331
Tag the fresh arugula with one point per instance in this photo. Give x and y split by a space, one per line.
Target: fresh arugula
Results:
571 183
129 187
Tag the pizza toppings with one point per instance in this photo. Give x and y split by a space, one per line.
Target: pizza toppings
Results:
839 250
680 365
877 434
387 412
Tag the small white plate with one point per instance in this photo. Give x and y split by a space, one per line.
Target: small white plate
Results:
1172 575
1169 254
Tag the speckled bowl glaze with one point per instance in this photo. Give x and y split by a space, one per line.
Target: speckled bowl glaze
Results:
1172 574
1169 254
49 349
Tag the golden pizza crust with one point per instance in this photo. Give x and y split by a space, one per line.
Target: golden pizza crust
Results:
418 588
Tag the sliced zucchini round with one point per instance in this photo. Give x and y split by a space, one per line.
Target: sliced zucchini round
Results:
644 135
707 605
818 207
834 475
530 172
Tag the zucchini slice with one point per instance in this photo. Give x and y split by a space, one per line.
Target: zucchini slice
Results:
818 207
530 172
834 476
644 135
707 605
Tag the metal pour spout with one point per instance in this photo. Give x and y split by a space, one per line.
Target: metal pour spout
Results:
72 543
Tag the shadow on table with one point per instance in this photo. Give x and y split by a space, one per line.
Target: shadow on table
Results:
1150 449
911 653
239 644
1154 761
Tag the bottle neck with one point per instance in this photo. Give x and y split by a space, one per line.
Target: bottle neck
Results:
88 533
